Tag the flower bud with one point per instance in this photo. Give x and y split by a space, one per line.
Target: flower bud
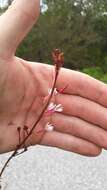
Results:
58 58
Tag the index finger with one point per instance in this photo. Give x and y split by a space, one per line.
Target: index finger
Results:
15 23
83 85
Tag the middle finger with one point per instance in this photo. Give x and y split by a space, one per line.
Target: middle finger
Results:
83 108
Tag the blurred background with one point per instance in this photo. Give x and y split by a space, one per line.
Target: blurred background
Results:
77 27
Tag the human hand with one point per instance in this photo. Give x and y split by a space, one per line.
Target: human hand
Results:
80 128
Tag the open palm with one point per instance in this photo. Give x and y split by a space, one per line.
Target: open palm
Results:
82 125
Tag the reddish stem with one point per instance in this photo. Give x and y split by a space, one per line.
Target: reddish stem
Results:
58 61
34 126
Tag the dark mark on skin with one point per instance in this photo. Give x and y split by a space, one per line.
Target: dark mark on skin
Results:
10 123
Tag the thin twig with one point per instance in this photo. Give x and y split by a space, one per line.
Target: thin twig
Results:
32 129
58 61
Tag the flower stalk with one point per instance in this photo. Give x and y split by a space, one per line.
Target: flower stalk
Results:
58 60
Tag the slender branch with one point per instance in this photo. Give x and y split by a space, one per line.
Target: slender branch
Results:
43 111
58 61
5 165
32 129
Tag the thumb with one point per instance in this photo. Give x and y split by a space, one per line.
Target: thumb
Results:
15 23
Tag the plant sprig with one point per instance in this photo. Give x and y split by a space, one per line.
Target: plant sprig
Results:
58 60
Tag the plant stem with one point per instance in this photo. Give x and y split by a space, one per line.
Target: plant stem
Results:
34 126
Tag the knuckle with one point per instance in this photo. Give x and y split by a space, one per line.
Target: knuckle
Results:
101 93
31 16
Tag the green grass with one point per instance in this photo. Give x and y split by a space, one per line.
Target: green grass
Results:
96 72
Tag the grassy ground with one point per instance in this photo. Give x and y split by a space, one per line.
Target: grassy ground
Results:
96 72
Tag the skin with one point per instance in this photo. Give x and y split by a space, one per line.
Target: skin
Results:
80 128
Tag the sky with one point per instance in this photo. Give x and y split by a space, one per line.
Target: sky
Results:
4 2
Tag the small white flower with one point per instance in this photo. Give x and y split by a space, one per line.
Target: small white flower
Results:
49 127
51 106
59 108
54 108
50 90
